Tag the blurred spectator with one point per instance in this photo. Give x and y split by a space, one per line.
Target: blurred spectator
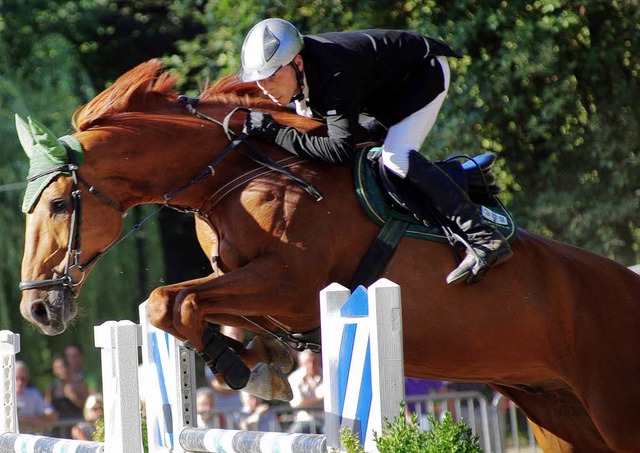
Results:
257 415
67 394
205 405
74 355
33 411
307 387
93 410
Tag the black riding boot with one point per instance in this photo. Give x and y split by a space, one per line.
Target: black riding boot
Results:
485 245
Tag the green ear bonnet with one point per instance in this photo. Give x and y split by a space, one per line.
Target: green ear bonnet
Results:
45 153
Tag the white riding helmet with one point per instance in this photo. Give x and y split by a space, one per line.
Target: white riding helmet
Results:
269 45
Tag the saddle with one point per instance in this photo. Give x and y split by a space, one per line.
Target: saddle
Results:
377 191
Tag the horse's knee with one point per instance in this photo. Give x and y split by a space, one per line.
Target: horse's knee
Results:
160 309
186 311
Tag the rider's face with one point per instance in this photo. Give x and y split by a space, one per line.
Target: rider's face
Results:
283 84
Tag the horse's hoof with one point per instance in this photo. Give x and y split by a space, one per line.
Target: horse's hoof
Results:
269 383
275 351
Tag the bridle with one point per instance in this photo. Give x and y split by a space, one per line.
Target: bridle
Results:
299 341
74 250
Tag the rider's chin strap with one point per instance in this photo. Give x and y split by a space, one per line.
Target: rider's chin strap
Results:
300 79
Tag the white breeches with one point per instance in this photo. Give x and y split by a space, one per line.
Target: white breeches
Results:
410 133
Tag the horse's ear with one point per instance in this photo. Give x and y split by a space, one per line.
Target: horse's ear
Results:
24 135
36 139
44 152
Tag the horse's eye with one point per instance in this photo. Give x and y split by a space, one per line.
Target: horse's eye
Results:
58 205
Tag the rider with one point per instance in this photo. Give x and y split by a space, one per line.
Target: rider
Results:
398 77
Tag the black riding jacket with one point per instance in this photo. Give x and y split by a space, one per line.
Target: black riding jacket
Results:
387 74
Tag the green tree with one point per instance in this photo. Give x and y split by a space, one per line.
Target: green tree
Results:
551 87
42 74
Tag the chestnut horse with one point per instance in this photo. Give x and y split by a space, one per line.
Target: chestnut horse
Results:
555 329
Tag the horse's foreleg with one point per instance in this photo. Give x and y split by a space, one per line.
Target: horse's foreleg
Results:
239 293
220 353
261 349
264 287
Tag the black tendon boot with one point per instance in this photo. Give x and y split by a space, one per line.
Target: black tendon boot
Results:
485 245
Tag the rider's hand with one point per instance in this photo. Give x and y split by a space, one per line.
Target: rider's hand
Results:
262 125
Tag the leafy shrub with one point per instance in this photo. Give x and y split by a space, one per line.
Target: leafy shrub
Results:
99 433
404 436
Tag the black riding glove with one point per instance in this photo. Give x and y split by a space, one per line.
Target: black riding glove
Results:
261 125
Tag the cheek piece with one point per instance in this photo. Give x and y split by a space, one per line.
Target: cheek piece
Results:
300 79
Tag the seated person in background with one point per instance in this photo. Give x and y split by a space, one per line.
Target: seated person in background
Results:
205 404
257 415
93 410
307 387
67 394
33 411
74 355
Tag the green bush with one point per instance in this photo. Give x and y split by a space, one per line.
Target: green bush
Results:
404 436
98 435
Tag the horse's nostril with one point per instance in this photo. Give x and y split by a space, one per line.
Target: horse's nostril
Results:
39 312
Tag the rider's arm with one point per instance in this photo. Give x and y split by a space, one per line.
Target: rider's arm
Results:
342 110
337 147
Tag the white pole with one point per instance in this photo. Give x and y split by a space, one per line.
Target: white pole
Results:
387 360
9 347
119 342
332 298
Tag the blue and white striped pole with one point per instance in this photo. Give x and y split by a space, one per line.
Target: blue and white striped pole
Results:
28 443
235 441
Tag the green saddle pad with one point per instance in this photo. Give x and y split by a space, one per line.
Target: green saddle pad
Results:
375 202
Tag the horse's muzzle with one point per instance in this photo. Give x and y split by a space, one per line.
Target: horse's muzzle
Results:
50 311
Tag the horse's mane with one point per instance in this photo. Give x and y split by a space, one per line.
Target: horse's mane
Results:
139 89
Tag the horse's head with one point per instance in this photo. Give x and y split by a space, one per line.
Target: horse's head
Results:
126 141
58 245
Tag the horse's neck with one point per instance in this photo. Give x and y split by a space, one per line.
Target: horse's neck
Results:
146 166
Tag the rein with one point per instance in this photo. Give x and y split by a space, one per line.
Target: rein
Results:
74 249
255 154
